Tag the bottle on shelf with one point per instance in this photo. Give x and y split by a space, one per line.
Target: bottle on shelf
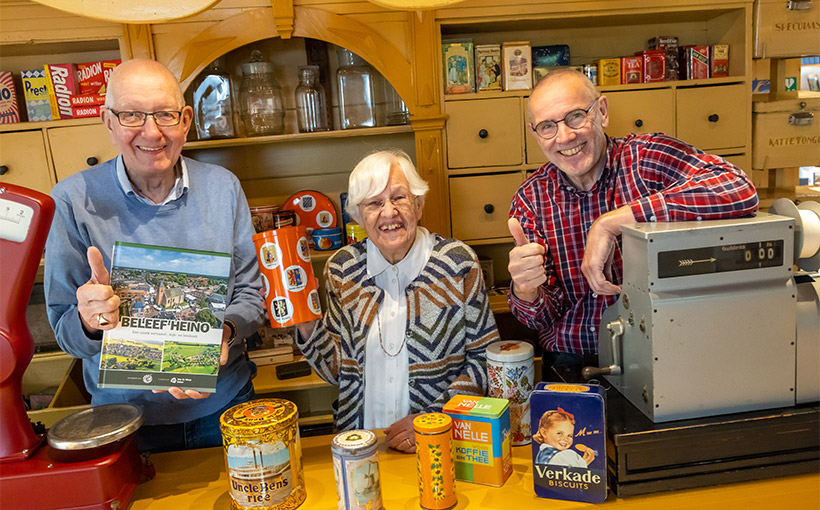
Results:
311 112
356 82
260 98
211 100
395 112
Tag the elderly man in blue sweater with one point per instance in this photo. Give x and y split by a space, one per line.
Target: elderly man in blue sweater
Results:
149 194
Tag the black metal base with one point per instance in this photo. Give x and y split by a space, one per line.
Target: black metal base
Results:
646 457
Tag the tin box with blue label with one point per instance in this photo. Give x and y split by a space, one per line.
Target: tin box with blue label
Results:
568 442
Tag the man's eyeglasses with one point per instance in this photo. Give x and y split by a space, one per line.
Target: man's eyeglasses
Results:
575 119
398 202
162 118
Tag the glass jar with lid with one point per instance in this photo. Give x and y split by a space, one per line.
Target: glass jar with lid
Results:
311 108
211 99
356 82
260 98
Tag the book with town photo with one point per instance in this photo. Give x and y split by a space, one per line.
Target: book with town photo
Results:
172 304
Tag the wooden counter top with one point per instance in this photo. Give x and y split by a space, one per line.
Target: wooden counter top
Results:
196 480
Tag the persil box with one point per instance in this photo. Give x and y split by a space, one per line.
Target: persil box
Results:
568 441
481 439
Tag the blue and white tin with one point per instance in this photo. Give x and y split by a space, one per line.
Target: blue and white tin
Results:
356 466
327 238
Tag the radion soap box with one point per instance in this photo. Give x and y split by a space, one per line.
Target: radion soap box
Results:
481 439
568 442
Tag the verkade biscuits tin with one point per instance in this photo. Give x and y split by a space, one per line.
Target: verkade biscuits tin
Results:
434 461
356 466
263 454
511 375
568 442
481 439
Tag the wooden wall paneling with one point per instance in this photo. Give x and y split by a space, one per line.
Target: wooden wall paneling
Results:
137 42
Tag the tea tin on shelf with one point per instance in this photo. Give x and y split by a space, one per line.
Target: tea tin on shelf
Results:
511 375
434 458
327 238
263 454
356 466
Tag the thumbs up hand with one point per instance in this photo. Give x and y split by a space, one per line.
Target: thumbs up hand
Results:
97 304
526 264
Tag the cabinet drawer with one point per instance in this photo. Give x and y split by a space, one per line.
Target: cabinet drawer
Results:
535 156
779 143
787 28
24 156
480 204
641 111
712 117
485 132
72 148
742 161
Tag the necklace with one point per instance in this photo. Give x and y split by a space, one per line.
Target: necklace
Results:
381 341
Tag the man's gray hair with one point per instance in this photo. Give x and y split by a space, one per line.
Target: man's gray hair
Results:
369 178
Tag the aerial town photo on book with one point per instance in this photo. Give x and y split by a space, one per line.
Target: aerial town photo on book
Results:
172 304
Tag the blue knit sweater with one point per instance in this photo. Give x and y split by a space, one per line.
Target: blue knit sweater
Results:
212 214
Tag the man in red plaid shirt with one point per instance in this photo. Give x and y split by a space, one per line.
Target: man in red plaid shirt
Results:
565 219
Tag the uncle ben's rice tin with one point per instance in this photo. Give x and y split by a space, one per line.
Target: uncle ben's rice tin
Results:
356 466
264 455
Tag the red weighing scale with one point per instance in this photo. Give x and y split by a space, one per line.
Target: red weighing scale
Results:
91 459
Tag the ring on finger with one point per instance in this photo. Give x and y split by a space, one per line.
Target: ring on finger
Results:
409 443
101 320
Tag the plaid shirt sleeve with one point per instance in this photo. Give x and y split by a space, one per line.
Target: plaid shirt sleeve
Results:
686 184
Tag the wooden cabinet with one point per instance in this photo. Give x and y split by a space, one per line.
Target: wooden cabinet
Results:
787 133
76 148
481 204
709 117
786 28
484 133
24 162
641 111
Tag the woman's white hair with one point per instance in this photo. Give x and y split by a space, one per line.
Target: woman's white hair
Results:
371 174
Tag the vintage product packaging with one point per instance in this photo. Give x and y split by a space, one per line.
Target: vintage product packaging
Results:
694 62
459 69
356 466
91 99
63 85
511 375
719 61
548 58
609 71
654 65
9 109
481 439
568 442
631 70
79 112
488 67
517 65
670 44
93 76
35 92
434 461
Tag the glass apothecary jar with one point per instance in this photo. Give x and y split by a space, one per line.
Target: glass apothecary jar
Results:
260 98
211 100
311 106
356 82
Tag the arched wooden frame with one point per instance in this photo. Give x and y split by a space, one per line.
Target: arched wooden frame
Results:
258 24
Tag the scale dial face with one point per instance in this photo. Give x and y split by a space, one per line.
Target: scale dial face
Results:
15 220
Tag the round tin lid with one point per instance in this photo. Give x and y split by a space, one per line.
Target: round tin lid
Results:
353 442
432 423
258 414
507 351
313 209
95 426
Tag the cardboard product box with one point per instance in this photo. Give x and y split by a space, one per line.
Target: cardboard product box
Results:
9 109
569 442
36 94
670 44
550 56
79 112
631 70
459 68
481 439
719 61
93 76
654 65
609 71
488 67
694 62
87 99
63 84
517 57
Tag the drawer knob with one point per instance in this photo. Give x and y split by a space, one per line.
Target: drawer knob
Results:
638 123
91 161
483 133
488 208
714 117
4 169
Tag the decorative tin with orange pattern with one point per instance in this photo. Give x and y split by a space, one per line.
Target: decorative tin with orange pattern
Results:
434 457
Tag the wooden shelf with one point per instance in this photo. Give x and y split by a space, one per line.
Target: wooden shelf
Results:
29 126
298 137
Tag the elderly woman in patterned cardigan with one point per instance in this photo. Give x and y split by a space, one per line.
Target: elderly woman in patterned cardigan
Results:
408 319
